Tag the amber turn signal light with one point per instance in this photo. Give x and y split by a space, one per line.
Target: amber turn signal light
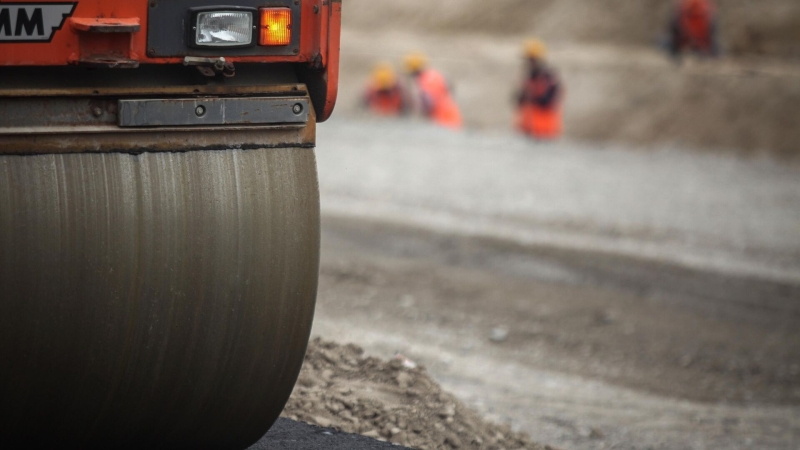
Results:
276 26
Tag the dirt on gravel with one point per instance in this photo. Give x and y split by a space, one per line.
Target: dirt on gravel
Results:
397 401
580 350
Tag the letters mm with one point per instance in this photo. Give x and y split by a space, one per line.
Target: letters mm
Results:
33 25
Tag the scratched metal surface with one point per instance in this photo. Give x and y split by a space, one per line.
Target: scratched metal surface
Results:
160 300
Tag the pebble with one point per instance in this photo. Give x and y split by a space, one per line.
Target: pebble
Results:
498 334
453 441
399 438
322 421
404 380
449 411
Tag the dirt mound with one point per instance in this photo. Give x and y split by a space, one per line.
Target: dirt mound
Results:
396 401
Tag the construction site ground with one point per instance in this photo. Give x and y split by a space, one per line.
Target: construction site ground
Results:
635 285
592 296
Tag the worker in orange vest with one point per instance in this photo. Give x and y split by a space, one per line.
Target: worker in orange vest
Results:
384 95
436 98
539 99
694 27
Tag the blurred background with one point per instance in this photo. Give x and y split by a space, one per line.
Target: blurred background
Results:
619 85
632 284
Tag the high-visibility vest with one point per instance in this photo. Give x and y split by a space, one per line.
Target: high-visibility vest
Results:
534 119
538 122
695 22
440 106
386 102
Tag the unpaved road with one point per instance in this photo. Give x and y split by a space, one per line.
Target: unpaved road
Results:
651 298
602 352
715 211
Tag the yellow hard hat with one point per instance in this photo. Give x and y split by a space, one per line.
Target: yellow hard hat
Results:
414 62
535 49
383 76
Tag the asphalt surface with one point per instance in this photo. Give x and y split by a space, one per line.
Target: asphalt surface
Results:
290 435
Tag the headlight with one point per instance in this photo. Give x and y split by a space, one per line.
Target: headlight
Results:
223 29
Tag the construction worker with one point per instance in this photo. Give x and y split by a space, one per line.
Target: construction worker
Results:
436 98
384 94
694 27
539 100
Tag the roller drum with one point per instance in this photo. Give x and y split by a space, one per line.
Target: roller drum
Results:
159 300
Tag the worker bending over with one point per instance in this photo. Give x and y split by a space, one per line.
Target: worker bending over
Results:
384 95
694 27
436 98
539 100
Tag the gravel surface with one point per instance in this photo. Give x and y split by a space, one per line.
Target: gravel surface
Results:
394 400
580 350
590 295
718 212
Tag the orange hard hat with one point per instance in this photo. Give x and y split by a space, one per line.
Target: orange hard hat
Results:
414 62
383 76
535 49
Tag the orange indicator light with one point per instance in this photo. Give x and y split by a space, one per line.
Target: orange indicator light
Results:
276 26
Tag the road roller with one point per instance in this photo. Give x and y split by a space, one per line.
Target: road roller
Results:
159 216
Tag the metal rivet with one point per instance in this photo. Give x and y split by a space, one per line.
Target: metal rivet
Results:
151 52
297 108
97 111
200 111
316 9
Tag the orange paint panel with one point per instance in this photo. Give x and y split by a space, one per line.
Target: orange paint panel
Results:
89 30
332 63
63 47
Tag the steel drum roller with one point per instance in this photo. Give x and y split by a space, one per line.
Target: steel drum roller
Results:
159 300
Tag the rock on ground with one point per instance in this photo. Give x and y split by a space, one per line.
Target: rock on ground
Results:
395 400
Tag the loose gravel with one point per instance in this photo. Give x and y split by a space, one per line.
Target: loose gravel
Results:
396 401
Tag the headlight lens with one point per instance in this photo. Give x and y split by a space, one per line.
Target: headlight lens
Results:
224 28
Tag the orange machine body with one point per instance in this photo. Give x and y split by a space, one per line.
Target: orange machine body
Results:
73 41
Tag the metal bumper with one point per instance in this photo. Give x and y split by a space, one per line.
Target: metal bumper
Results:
212 111
147 120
